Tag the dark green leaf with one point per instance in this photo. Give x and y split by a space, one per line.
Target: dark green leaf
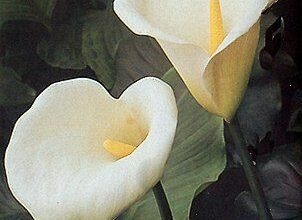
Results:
94 49
102 34
12 90
32 10
21 57
64 46
101 37
89 37
137 57
115 32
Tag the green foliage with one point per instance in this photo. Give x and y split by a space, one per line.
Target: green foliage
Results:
259 109
98 52
102 34
32 10
64 46
196 160
281 177
12 90
137 57
90 38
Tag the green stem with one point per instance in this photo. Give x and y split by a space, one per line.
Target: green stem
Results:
162 202
250 172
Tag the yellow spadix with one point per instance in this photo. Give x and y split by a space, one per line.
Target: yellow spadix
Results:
118 149
216 25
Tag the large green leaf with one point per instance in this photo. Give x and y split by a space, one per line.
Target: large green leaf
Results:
88 38
138 57
115 32
101 38
94 49
12 90
32 10
63 48
196 160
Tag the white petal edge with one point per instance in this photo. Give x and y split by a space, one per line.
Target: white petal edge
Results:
54 177
138 24
238 18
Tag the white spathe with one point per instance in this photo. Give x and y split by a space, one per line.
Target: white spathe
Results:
56 165
182 28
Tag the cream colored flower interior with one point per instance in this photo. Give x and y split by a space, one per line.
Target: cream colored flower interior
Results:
92 118
187 21
126 134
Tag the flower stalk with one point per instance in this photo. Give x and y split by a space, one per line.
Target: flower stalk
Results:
162 202
250 171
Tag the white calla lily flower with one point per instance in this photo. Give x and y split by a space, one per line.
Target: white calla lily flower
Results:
211 43
64 162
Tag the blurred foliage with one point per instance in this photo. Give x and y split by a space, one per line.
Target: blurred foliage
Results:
281 177
88 37
63 46
12 90
259 109
45 41
101 37
32 10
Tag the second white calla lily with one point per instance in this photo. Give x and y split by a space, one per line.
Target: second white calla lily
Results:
62 161
211 43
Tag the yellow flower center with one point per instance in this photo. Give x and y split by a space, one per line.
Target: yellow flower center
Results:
216 26
118 149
